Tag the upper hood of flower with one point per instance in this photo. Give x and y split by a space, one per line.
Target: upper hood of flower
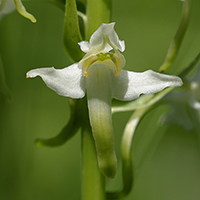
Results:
99 39
97 49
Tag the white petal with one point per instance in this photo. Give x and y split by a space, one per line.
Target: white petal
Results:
122 45
84 45
106 29
67 82
106 49
129 85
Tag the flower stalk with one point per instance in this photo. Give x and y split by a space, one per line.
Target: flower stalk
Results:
177 41
93 181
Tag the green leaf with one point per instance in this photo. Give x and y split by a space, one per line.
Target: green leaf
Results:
71 32
95 17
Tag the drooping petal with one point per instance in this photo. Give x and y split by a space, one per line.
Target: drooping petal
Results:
129 85
98 85
67 82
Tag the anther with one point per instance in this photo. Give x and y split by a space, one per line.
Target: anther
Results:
87 74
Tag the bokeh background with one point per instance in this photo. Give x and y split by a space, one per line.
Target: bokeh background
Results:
166 158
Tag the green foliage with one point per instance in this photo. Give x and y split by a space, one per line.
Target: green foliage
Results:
178 39
71 32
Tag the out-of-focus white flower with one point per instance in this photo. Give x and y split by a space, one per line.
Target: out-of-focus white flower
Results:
185 104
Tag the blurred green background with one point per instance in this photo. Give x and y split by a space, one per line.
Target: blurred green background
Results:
166 158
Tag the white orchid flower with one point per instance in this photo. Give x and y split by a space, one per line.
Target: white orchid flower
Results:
185 104
99 74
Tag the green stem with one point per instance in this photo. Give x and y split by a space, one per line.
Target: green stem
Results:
126 149
97 12
22 10
126 145
93 182
177 41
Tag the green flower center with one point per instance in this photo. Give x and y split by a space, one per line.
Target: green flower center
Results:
108 59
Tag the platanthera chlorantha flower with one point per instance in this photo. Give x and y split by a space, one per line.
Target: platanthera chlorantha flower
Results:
185 104
99 74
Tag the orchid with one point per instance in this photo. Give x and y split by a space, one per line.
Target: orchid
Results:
99 74
185 103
